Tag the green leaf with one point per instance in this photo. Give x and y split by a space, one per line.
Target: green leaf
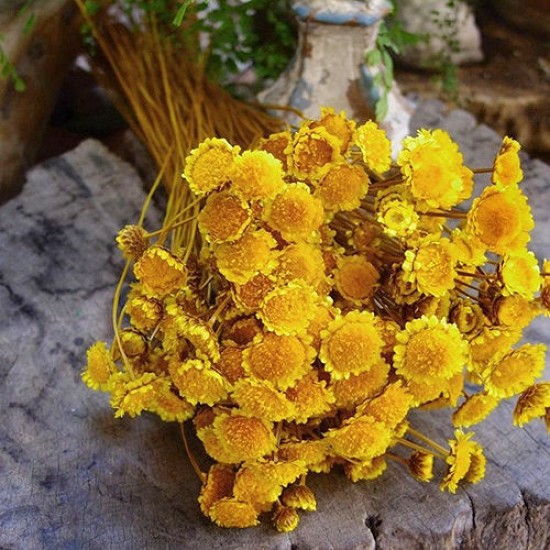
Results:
374 57
180 14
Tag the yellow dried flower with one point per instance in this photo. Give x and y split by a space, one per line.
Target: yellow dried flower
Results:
276 144
432 167
230 512
256 175
242 331
313 453
241 260
366 469
310 397
507 166
133 396
145 312
515 311
279 359
207 167
244 438
430 349
160 272
99 368
230 365
289 309
324 314
356 278
300 497
261 399
312 152
466 462
171 408
491 344
132 241
224 217
375 146
390 407
295 213
343 187
514 372
218 484
421 465
533 403
431 267
350 345
399 218
468 317
249 296
520 274
501 219
285 519
198 382
476 408
349 392
363 438
261 483
302 261
133 343
337 125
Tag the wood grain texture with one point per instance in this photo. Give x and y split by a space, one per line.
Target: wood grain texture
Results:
73 477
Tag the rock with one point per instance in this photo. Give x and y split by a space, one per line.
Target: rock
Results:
75 477
41 58
449 28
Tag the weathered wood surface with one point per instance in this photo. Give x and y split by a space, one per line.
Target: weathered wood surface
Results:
73 477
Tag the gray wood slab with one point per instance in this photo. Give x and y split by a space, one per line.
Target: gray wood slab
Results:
72 477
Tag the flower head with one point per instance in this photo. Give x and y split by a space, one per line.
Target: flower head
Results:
365 469
356 278
279 359
501 219
507 168
432 167
207 166
337 125
302 261
360 438
466 462
230 512
421 465
520 274
350 345
533 403
432 267
312 152
218 484
132 241
241 260
310 396
430 349
198 382
242 437
300 497
295 213
343 187
475 409
224 217
256 175
375 146
514 372
160 272
276 144
261 399
288 309
99 368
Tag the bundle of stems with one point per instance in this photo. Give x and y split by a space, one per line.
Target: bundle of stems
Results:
156 77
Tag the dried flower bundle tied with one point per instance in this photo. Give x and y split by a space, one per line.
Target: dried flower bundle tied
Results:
321 294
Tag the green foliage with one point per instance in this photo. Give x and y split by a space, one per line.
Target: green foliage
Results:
7 68
392 39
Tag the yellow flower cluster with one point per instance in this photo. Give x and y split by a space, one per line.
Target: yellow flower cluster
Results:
325 293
